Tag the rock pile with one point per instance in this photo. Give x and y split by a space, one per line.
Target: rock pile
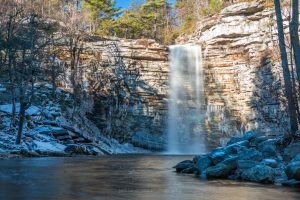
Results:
252 157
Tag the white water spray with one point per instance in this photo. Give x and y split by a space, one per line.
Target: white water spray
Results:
186 114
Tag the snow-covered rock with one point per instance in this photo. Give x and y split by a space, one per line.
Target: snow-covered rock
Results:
32 110
7 108
47 146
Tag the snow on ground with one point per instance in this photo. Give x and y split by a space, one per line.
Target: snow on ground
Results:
47 146
49 129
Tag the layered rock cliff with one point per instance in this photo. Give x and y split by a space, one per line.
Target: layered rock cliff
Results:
129 84
242 70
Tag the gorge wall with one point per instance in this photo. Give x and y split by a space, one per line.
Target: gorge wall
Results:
129 84
242 70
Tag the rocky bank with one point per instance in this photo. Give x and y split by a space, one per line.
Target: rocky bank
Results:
252 157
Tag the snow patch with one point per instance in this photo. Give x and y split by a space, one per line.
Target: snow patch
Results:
47 146
7 108
32 110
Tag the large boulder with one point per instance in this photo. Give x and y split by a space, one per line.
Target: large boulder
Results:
293 170
260 174
219 171
291 151
268 151
184 165
251 154
246 164
218 155
202 163
231 162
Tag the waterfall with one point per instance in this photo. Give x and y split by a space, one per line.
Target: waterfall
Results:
185 109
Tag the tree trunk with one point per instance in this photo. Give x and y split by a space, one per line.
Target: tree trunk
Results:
286 71
294 26
21 122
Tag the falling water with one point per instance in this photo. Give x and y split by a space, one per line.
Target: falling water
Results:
186 115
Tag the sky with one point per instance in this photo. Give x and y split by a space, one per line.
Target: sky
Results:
125 3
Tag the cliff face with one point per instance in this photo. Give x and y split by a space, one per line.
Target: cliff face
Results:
129 84
242 70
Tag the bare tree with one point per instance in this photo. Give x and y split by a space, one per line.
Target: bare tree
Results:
286 71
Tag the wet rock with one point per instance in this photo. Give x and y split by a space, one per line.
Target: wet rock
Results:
260 174
219 171
293 170
217 155
291 183
246 164
291 151
231 162
270 162
74 149
203 163
183 165
251 154
190 170
29 153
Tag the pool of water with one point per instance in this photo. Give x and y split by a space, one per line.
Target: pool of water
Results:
121 177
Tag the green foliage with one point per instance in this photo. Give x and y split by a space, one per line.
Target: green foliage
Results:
100 11
144 19
214 7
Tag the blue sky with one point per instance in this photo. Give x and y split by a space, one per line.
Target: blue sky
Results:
125 3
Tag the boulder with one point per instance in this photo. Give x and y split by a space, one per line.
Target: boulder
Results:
251 135
293 170
265 143
217 155
260 174
291 151
269 162
74 149
190 170
203 163
251 154
243 8
291 183
246 164
258 140
234 140
231 162
219 171
268 151
237 147
183 165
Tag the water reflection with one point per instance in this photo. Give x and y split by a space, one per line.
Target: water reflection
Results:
120 177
